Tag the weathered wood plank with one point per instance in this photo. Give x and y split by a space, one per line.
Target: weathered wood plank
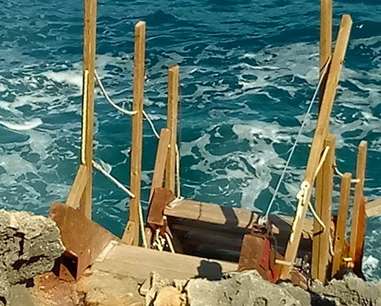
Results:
324 189
229 216
373 208
139 262
342 215
321 132
137 132
89 50
78 187
173 100
358 198
160 162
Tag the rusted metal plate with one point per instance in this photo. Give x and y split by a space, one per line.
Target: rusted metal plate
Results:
160 199
257 253
83 239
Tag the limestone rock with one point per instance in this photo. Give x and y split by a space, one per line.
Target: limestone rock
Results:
170 296
350 291
104 289
29 246
245 288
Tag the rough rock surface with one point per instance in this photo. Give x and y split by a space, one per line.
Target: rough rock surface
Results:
246 288
104 289
350 291
29 245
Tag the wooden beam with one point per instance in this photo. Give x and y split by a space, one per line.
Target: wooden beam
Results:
319 136
137 133
173 100
373 208
160 162
89 50
341 225
324 189
325 38
78 187
358 199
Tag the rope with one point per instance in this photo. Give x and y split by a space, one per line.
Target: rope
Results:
142 226
264 218
339 173
321 162
113 179
108 99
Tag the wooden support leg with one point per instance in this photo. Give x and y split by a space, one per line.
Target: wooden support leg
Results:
358 214
341 224
323 207
131 234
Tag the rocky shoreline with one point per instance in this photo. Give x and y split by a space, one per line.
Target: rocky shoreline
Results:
30 245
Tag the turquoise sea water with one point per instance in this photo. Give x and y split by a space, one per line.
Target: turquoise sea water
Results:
248 70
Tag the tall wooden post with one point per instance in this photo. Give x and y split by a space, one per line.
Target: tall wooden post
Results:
323 207
321 132
173 100
358 213
89 48
325 38
131 233
341 224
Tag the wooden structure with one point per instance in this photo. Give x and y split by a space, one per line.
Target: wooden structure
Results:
203 230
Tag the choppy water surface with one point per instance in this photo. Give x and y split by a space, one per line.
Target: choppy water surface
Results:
248 70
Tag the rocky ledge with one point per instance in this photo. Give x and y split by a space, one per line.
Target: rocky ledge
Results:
29 246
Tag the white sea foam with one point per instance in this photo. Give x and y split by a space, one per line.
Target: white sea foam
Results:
26 125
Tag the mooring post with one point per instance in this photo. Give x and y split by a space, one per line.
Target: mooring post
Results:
173 100
358 213
325 39
89 48
131 233
341 224
323 208
321 132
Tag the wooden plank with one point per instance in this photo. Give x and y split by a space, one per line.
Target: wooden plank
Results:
324 189
325 38
360 241
321 132
78 187
89 50
358 198
139 262
137 132
373 208
229 216
173 101
341 225
160 162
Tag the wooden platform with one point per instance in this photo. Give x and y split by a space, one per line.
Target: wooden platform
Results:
215 231
138 262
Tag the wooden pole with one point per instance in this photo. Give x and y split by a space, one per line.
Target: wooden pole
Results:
321 239
321 132
160 162
325 37
89 49
341 225
357 213
173 100
131 234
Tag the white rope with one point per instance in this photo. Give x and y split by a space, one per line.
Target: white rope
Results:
321 162
142 226
108 99
339 173
113 179
264 218
151 124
